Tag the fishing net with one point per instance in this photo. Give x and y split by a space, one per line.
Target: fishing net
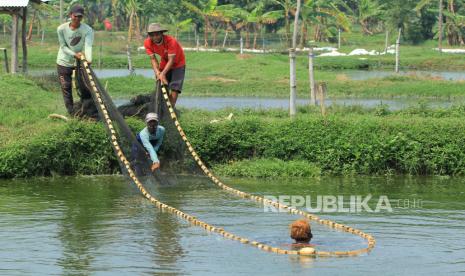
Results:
129 145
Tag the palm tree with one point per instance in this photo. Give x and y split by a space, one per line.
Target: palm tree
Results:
287 6
132 7
454 21
326 18
206 9
369 13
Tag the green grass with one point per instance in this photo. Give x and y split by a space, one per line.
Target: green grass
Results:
268 168
25 107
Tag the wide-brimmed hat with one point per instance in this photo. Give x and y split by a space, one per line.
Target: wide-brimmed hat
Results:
151 117
155 27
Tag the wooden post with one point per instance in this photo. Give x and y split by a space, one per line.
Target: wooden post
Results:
311 76
386 42
128 52
43 37
398 51
14 43
321 97
440 31
293 86
263 44
225 38
24 39
100 56
339 40
293 81
7 69
242 46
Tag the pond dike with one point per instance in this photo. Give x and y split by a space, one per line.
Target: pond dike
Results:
338 145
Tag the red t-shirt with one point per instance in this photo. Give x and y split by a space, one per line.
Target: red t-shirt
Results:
169 46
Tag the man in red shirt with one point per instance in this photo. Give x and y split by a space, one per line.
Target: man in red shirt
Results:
172 67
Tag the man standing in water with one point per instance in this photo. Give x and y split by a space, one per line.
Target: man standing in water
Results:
151 137
74 37
172 67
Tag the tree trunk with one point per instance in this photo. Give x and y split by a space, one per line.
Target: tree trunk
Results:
131 19
214 33
303 34
288 28
225 38
138 34
205 33
62 6
255 34
247 37
31 24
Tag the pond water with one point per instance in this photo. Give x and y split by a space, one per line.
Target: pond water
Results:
216 103
351 74
102 225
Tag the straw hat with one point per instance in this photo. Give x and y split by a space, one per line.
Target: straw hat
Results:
155 27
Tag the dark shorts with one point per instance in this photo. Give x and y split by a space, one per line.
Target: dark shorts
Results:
176 78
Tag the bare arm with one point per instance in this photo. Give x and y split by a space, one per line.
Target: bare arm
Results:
155 65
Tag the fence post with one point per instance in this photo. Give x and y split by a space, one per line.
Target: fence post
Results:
242 46
311 76
128 52
339 39
321 97
397 51
293 85
7 69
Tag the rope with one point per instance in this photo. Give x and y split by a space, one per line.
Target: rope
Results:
210 228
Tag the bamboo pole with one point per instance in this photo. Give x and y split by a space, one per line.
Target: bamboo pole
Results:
311 76
398 51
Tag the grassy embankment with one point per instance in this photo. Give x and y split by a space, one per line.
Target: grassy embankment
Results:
229 74
351 140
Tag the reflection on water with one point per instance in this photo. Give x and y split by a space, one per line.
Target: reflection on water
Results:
96 225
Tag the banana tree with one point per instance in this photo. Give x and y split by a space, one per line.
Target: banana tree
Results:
132 8
455 22
326 18
287 6
256 19
370 13
207 9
